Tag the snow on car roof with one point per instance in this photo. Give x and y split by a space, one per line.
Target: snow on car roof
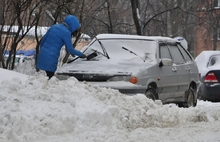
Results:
203 58
154 38
41 30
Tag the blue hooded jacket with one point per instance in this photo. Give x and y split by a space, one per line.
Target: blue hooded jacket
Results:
52 42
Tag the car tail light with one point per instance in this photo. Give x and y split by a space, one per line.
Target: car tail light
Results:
133 79
210 77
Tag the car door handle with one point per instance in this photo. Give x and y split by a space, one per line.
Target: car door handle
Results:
188 69
174 69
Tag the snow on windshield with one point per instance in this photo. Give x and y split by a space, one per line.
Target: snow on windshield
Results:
124 49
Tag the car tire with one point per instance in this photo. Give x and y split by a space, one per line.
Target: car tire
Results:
151 94
191 98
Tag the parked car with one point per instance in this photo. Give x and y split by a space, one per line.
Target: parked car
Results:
158 67
208 63
18 58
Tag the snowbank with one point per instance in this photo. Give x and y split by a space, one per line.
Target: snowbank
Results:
38 110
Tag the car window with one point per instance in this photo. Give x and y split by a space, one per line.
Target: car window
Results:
186 55
164 51
214 60
176 55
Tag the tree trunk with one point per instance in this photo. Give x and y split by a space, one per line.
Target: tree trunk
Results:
135 13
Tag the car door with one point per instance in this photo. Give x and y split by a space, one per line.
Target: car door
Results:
190 67
168 76
182 70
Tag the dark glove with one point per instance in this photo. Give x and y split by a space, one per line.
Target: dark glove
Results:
83 56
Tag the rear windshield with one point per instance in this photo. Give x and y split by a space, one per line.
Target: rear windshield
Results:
214 60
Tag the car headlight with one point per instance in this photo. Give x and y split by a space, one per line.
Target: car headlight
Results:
62 77
132 79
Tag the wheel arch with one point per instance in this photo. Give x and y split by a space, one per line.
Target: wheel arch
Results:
193 86
153 85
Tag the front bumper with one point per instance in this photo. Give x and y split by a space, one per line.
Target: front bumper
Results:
123 87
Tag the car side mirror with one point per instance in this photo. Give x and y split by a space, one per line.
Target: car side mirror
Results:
160 63
165 62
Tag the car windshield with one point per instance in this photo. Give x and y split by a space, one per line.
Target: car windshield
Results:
123 49
214 60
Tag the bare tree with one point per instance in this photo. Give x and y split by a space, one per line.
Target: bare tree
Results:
105 16
208 16
17 25
146 17
136 15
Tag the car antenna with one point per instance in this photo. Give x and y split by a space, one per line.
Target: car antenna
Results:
103 48
133 53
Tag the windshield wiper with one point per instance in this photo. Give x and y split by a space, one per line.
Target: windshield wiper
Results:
133 53
103 48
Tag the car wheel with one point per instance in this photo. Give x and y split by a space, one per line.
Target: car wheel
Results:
191 98
151 94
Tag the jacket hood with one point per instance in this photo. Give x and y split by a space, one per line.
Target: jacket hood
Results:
72 22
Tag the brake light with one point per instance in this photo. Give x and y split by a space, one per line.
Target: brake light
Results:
133 79
210 77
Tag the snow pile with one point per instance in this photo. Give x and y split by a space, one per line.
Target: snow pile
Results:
37 109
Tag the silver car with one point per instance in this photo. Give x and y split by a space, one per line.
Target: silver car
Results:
158 67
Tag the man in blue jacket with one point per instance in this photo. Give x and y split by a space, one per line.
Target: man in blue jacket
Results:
52 42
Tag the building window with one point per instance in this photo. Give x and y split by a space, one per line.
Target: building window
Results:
216 3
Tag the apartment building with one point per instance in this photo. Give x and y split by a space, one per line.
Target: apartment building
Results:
208 31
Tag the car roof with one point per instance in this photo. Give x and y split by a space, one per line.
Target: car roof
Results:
203 58
124 36
205 55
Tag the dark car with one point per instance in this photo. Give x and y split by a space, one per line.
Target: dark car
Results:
208 63
158 67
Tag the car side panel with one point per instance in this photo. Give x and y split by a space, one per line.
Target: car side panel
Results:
168 83
182 71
